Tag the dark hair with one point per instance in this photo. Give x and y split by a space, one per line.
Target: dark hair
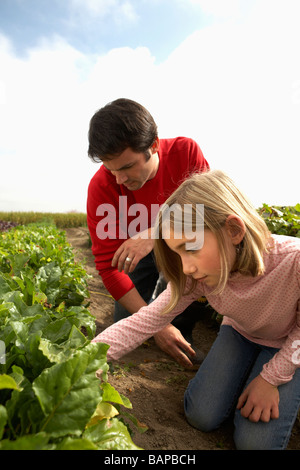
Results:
121 124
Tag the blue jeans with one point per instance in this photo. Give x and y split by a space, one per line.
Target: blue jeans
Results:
212 395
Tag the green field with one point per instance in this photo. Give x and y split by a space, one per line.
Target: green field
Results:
61 220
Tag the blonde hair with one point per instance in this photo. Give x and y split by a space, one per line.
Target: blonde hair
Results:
221 198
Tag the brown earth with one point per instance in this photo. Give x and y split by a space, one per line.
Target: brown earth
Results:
152 381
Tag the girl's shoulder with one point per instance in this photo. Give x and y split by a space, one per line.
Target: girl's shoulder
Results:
282 244
283 251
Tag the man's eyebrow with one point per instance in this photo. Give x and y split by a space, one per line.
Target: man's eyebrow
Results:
128 165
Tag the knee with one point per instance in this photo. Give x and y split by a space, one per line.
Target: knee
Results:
247 442
198 415
254 436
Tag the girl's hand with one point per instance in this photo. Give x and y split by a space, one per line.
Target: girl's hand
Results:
171 341
259 401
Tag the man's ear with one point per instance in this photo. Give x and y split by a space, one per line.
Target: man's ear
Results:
236 228
155 146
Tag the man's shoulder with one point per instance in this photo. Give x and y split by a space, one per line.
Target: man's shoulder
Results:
176 147
182 151
102 181
177 143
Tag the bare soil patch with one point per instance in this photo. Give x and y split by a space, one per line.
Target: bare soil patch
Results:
153 382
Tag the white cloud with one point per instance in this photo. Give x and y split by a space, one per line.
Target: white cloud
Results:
49 98
234 88
118 10
44 126
218 8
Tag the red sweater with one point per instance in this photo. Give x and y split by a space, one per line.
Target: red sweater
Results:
178 158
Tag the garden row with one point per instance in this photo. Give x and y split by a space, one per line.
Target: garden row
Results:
59 219
283 220
50 397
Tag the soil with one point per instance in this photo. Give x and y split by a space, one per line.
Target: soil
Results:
152 381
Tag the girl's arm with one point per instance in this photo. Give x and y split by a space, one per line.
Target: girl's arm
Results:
281 368
129 333
260 399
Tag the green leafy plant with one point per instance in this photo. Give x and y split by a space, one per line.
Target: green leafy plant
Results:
50 396
282 220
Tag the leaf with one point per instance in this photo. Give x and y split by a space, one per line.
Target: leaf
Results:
30 442
6 381
18 261
23 410
58 331
141 427
103 411
60 352
4 286
3 419
110 435
69 392
111 394
80 316
76 444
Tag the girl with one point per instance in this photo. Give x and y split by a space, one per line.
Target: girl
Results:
250 277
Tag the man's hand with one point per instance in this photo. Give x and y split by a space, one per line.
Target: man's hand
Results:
135 249
171 341
259 401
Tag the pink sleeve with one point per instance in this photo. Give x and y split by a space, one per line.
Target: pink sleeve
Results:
281 368
129 333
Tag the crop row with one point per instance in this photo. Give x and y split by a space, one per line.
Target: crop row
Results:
283 220
50 396
61 220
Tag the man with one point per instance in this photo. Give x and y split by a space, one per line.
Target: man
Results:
138 174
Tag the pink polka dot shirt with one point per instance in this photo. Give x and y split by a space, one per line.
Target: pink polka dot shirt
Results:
265 309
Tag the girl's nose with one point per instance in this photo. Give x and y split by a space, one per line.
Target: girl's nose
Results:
188 266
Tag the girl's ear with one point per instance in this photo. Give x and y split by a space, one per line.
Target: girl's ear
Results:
236 228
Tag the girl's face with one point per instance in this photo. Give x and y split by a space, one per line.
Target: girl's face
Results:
202 264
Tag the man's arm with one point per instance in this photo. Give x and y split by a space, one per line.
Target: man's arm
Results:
135 249
132 301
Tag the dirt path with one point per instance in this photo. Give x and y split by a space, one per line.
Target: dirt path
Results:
153 382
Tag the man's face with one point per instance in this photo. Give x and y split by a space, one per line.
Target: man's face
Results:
131 169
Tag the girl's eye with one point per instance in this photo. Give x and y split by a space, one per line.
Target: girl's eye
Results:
191 251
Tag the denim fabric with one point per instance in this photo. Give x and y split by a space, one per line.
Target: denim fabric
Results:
212 395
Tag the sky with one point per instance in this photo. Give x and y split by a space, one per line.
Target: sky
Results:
223 72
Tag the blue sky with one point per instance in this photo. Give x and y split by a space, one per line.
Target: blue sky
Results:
95 27
226 73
